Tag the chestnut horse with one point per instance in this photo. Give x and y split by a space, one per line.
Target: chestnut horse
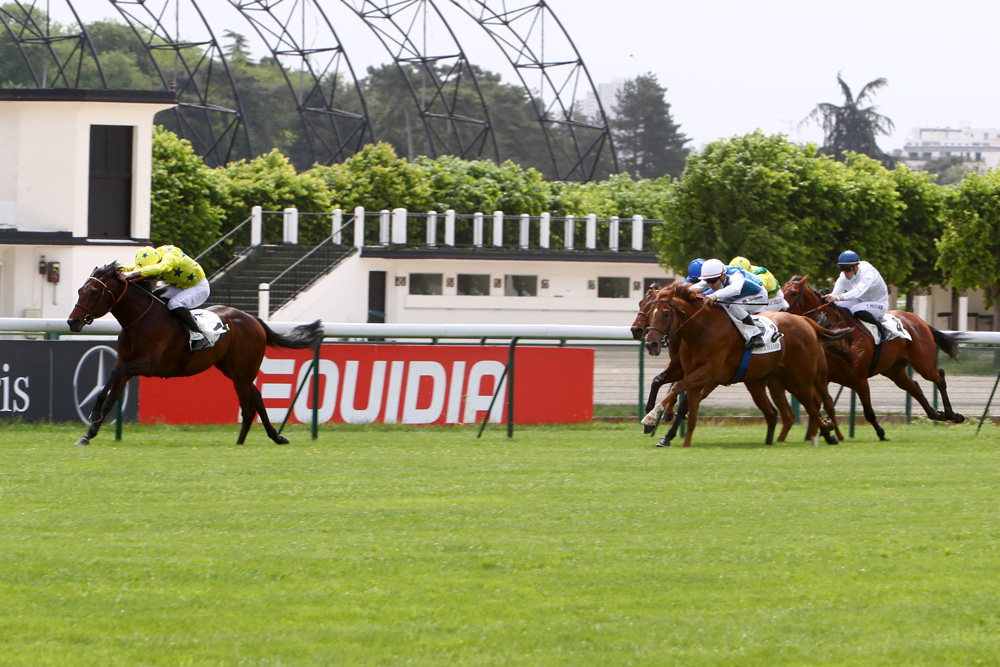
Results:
154 343
892 359
674 372
712 350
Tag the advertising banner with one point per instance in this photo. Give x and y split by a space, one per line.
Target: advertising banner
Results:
57 380
410 384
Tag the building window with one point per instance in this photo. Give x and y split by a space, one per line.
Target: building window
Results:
520 285
470 284
612 288
425 283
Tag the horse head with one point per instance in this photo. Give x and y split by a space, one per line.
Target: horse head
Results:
659 317
97 296
795 291
642 317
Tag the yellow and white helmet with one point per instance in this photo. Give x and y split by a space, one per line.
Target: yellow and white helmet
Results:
741 262
147 256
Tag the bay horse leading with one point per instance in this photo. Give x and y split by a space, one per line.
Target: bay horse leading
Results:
714 350
154 343
891 360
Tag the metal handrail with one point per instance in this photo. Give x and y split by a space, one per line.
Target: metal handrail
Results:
228 234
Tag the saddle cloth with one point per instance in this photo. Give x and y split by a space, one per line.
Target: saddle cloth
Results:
772 337
893 324
211 326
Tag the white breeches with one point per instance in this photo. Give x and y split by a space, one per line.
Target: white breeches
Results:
776 302
741 306
876 308
192 297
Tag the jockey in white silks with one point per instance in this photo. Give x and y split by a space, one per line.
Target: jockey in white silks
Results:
739 292
861 289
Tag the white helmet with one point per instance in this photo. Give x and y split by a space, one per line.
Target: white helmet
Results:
712 268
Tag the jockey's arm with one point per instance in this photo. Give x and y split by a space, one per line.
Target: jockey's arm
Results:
699 286
865 281
734 287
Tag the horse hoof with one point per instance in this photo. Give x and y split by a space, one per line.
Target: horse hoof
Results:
83 441
958 418
664 442
648 429
281 440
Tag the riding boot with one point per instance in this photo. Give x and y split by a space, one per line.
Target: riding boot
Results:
866 316
757 340
185 316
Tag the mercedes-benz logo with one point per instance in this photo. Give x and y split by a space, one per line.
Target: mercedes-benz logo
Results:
92 372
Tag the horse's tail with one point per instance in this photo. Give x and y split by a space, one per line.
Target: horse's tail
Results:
947 342
302 336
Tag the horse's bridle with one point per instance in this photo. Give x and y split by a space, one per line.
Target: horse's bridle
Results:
89 317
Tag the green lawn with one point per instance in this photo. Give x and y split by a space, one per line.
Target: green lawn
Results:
578 545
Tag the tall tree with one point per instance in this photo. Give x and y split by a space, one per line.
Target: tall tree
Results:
649 142
852 126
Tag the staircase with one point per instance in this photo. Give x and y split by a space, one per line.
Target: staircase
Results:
289 269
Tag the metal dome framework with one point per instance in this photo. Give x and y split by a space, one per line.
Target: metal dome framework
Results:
327 96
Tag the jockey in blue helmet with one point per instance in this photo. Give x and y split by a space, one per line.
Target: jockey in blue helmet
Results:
862 290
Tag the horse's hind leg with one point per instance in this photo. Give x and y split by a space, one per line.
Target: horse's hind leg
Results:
785 410
251 403
864 393
897 373
758 392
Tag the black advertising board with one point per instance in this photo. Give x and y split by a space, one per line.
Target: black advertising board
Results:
57 380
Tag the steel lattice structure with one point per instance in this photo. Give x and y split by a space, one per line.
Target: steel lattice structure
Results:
452 114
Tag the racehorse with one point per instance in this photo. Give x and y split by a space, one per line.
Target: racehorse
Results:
713 350
154 343
674 372
892 358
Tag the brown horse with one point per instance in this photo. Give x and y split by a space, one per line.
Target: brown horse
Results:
713 350
891 360
154 343
674 372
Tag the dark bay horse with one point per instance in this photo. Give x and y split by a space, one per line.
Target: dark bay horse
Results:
713 349
892 359
675 371
154 343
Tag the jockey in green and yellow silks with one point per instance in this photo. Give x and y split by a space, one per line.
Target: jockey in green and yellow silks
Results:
186 284
775 297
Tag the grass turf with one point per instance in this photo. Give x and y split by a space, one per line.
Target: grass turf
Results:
572 545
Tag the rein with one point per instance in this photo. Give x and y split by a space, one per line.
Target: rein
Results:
104 290
683 324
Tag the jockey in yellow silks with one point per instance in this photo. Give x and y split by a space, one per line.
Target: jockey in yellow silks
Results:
775 297
186 284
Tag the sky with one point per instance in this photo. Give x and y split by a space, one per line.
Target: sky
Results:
731 66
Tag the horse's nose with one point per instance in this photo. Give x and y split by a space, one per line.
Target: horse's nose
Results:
637 333
75 324
653 347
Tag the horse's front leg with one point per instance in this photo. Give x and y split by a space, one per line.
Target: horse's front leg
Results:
106 400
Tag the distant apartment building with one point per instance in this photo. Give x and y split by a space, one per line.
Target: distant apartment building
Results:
979 148
607 93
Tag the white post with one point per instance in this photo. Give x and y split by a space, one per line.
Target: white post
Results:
336 223
399 226
569 229
256 224
383 227
449 227
432 228
544 230
963 313
498 228
291 226
613 233
636 232
920 303
359 226
591 231
523 238
477 229
263 301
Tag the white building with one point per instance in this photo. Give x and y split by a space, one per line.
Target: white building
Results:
979 148
608 95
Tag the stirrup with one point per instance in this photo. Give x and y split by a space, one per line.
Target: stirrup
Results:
757 340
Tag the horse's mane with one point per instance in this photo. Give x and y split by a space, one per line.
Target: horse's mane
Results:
104 270
684 291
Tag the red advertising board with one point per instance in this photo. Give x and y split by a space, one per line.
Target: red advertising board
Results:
411 384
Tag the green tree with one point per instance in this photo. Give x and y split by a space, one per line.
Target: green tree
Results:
187 200
970 242
948 170
921 221
852 126
649 142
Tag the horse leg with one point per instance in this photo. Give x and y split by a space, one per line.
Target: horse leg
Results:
682 410
897 373
785 410
105 402
865 396
654 389
265 420
758 391
694 400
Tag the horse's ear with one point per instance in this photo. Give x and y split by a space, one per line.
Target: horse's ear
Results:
805 278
